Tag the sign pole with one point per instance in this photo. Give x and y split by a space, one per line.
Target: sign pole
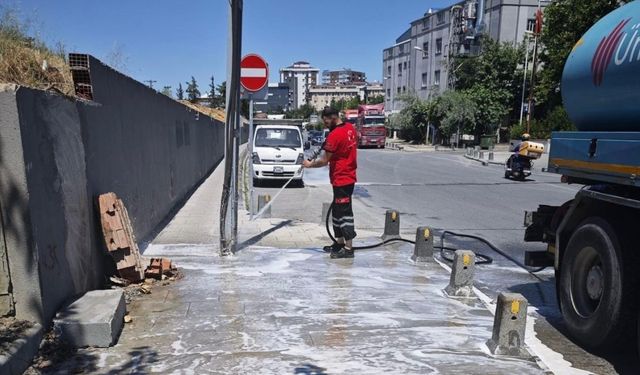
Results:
251 172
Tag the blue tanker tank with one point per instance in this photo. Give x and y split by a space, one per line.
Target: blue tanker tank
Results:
601 78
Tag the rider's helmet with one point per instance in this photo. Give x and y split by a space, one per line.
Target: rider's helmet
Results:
525 137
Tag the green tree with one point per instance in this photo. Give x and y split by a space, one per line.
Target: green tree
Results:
192 90
222 92
493 81
180 92
352 103
166 90
376 99
304 112
491 108
414 118
212 93
455 111
565 21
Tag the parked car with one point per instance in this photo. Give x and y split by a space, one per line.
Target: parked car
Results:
278 153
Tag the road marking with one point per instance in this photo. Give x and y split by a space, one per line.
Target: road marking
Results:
552 360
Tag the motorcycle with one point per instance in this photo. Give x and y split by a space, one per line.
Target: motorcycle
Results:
519 165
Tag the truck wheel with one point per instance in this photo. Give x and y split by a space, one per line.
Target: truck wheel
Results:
595 298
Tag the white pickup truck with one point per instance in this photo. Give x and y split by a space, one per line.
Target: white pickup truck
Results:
278 153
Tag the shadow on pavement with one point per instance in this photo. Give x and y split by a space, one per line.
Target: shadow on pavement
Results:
255 239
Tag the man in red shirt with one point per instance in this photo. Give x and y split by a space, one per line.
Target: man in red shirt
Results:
340 152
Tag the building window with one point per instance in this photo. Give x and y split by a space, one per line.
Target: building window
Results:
436 78
404 65
388 92
425 50
439 46
401 48
399 90
531 24
425 79
440 18
400 69
404 88
389 70
425 23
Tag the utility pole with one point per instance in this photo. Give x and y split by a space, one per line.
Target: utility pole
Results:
229 220
536 34
151 82
524 78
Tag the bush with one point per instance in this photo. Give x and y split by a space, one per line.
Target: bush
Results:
556 120
27 61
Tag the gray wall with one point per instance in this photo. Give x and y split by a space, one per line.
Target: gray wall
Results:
57 155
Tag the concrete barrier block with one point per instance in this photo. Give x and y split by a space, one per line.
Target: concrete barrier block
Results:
509 325
491 156
462 271
18 355
481 155
325 212
423 249
95 319
391 225
263 199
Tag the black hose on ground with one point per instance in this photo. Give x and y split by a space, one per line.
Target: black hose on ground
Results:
480 258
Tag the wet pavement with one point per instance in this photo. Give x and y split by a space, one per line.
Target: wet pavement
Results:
268 310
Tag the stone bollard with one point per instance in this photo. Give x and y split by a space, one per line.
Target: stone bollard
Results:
462 270
423 249
476 153
263 199
325 212
509 325
481 155
391 225
491 156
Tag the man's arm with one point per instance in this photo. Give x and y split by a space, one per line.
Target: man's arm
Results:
319 162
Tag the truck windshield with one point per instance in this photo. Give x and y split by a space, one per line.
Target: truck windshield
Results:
278 138
374 121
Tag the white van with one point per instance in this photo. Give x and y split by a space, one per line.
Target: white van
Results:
278 153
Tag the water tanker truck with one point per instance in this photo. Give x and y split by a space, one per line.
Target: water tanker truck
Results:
593 240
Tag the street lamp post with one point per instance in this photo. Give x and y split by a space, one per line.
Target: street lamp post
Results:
524 75
420 49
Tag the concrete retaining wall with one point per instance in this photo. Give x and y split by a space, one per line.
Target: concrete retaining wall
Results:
58 154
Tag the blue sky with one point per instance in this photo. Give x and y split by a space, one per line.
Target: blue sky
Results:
171 40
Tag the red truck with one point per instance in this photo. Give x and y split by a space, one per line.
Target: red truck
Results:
370 126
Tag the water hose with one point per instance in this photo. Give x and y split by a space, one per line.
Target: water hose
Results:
480 258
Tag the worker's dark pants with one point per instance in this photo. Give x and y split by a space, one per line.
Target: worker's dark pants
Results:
342 212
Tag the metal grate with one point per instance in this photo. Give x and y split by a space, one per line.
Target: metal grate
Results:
79 64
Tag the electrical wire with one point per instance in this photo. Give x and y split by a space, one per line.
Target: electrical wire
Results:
480 258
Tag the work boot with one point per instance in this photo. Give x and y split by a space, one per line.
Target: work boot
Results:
333 247
342 253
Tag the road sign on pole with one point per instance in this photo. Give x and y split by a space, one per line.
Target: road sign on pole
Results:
254 72
254 75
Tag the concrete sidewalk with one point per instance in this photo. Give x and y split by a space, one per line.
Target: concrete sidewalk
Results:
280 305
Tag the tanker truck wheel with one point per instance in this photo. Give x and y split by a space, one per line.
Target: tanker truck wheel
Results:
595 294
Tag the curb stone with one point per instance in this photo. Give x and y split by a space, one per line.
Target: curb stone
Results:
21 352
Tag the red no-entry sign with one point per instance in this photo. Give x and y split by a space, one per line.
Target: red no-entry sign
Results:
254 72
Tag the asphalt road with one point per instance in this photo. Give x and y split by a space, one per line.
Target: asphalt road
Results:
445 191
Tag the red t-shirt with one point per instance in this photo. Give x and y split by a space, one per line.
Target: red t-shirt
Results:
341 142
